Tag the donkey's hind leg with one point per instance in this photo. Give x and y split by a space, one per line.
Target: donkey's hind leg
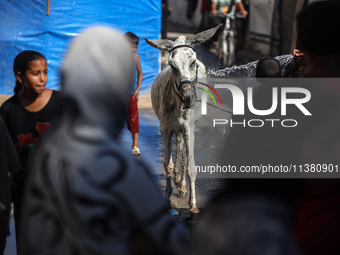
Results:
182 189
168 164
183 183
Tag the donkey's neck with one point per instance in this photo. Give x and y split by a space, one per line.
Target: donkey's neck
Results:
172 94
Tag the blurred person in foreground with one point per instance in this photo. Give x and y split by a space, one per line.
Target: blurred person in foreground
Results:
318 38
9 162
87 195
317 223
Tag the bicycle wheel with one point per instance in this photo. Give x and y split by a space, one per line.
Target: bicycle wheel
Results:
225 52
229 59
221 50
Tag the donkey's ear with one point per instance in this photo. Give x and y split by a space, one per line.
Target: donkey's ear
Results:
203 36
162 44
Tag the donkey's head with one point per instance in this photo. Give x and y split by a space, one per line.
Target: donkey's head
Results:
182 60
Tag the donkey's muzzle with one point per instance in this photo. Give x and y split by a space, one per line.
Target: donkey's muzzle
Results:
188 97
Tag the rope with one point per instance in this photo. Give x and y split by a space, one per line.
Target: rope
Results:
210 104
180 46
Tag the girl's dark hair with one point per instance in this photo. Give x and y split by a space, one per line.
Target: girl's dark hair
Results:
21 64
132 37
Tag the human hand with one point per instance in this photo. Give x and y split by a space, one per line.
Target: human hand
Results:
297 54
213 12
136 95
244 13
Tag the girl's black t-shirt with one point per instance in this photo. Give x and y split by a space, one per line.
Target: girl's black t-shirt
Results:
27 128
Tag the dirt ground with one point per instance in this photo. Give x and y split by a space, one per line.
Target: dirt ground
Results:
144 102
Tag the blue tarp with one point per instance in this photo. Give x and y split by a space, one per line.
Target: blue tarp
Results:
24 25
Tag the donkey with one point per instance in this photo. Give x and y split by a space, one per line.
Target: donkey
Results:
175 101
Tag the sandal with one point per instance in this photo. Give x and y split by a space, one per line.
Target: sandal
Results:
135 151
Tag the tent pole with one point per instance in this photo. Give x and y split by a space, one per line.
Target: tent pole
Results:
48 7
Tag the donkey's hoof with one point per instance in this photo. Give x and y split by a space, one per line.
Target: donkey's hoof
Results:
173 204
194 210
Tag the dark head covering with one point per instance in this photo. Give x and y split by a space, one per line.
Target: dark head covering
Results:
97 74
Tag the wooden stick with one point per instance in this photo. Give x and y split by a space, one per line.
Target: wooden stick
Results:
48 7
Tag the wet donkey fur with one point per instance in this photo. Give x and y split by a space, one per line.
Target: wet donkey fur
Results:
175 101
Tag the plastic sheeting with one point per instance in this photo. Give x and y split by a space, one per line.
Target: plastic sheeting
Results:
24 25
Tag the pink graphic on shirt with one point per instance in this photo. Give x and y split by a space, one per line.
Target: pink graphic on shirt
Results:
42 127
26 140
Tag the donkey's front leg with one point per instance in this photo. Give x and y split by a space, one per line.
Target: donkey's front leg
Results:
183 184
179 148
191 169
